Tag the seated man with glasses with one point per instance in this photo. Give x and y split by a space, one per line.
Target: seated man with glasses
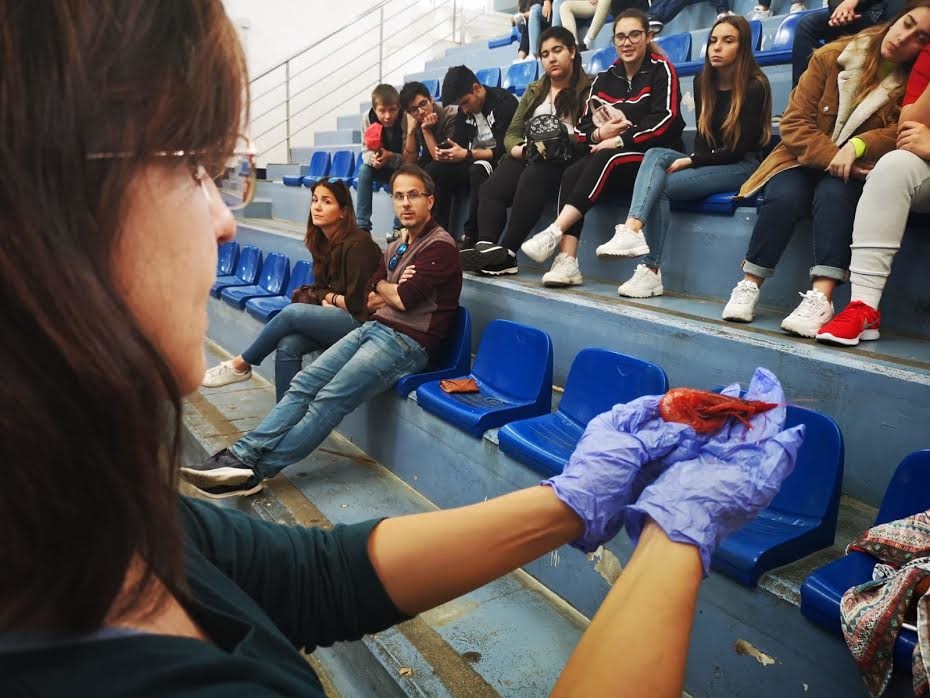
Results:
428 123
413 299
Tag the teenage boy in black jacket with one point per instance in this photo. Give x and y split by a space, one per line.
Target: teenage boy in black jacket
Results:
477 144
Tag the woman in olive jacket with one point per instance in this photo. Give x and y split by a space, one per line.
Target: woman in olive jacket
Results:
524 186
842 116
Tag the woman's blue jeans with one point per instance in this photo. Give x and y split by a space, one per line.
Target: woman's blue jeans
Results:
655 188
297 330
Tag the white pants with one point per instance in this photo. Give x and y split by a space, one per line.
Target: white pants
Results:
899 183
569 9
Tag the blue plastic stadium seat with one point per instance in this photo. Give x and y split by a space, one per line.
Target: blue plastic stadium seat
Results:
292 180
519 76
677 47
780 50
265 308
452 359
433 87
272 280
489 77
802 517
227 255
597 380
718 204
247 268
506 39
342 166
319 168
908 493
358 166
602 59
513 369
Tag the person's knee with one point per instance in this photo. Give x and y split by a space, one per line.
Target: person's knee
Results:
290 348
896 170
536 13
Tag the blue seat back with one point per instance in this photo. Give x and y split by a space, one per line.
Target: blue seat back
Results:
433 87
227 256
342 165
813 488
301 275
784 35
677 47
602 59
514 359
600 379
519 76
491 77
319 165
455 351
908 492
275 273
250 262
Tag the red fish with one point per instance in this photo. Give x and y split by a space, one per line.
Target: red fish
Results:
707 412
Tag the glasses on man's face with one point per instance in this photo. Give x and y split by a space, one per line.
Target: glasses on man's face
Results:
414 197
422 105
395 258
634 37
236 179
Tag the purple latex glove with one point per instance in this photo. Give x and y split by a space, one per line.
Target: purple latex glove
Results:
608 467
735 475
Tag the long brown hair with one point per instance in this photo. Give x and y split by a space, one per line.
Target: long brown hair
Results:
871 70
90 411
566 102
746 71
316 241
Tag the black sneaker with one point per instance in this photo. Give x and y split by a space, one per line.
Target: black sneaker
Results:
466 242
473 257
220 469
393 235
502 263
582 47
251 486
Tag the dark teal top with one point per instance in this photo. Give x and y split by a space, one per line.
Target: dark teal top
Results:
259 591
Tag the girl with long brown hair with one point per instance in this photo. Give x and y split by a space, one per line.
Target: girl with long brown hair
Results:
344 258
733 103
841 118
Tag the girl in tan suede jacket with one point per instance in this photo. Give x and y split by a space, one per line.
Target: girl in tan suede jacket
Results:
841 117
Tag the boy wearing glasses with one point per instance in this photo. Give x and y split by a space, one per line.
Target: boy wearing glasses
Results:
465 161
413 299
379 160
428 123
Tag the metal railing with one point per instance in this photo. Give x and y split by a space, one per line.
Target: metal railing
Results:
341 68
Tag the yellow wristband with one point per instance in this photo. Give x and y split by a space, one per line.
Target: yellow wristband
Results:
859 146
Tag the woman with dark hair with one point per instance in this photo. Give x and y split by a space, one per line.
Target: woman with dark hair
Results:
117 115
521 184
733 105
843 113
344 258
632 106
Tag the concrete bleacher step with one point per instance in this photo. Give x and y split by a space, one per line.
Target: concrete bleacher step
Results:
746 642
348 122
328 139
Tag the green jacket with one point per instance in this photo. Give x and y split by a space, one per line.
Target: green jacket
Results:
531 99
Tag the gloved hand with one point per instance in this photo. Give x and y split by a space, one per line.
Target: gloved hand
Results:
606 471
734 476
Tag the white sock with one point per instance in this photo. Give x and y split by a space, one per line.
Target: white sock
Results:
870 296
588 40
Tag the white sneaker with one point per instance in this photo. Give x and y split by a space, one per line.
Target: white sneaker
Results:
728 13
518 20
796 7
643 284
743 301
625 243
814 312
759 12
224 374
541 246
564 272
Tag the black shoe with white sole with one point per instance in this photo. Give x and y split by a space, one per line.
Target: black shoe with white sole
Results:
474 258
251 486
501 264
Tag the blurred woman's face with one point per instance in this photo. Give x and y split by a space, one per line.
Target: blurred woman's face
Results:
557 59
907 37
723 45
166 261
631 40
325 210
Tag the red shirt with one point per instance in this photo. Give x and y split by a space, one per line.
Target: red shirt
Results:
919 79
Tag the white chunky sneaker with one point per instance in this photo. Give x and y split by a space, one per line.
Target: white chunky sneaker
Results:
643 284
760 13
224 374
814 312
541 246
743 301
797 7
564 272
625 243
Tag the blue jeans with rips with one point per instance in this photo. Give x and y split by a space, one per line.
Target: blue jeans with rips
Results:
365 362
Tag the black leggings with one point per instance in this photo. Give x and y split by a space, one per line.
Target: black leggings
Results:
605 172
455 178
525 189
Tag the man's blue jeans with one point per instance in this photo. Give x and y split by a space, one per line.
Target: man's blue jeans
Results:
655 187
297 330
365 362
367 175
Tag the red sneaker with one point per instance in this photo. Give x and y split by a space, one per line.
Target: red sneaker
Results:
857 321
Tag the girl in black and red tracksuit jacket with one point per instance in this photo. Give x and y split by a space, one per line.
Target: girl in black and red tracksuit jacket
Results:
651 102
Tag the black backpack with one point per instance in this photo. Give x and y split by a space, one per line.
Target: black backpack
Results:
547 138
